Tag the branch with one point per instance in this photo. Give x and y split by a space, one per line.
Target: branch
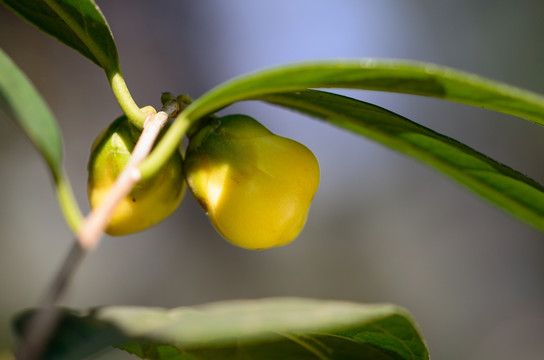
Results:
42 325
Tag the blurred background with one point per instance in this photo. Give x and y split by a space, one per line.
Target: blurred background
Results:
382 228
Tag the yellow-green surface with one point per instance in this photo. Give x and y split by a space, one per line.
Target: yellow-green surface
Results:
255 186
151 200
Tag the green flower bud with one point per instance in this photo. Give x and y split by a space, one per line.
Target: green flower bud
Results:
255 186
151 200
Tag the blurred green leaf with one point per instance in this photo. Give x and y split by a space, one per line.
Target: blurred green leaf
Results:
22 103
374 74
76 23
507 188
25 106
277 328
77 336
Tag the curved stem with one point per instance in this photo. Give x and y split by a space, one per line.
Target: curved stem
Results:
171 140
165 148
70 209
125 100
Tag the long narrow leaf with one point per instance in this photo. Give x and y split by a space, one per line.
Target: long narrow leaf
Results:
265 329
77 23
22 103
498 183
384 75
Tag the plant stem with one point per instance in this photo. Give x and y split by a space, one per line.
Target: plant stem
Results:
44 322
68 205
125 100
165 148
171 140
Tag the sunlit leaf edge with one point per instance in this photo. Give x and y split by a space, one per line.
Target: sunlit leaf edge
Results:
238 323
68 30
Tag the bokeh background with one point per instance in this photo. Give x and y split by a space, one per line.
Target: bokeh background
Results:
382 228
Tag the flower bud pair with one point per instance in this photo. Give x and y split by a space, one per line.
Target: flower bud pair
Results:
256 187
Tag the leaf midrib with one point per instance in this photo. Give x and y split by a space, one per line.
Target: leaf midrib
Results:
82 34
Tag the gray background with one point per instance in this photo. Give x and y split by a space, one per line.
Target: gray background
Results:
382 228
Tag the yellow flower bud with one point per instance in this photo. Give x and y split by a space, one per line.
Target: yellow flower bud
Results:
255 186
151 200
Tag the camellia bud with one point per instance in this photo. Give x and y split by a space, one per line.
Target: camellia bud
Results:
151 200
255 186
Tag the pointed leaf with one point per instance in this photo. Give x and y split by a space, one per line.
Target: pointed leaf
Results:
23 103
76 23
279 328
507 188
373 74
384 75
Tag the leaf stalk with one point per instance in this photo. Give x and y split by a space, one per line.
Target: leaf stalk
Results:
134 114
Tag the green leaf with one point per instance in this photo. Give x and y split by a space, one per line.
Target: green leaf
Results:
277 328
372 74
76 23
384 75
507 188
498 183
81 25
23 103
